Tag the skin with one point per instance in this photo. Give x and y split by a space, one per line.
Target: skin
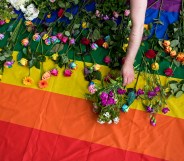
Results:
138 9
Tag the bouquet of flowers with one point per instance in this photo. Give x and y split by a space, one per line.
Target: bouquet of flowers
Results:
110 99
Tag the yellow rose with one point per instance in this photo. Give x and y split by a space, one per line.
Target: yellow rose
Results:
1 76
166 90
154 66
96 67
55 56
1 49
23 62
7 20
125 47
45 36
146 27
166 43
84 25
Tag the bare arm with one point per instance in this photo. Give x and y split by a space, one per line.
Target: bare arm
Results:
138 9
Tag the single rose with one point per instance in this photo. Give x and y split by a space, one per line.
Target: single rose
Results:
168 72
150 54
85 41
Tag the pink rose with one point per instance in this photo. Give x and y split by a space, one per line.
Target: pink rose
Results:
67 72
64 39
168 72
127 12
107 59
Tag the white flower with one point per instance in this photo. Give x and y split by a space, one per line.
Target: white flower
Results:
106 114
17 3
116 120
110 122
30 12
100 121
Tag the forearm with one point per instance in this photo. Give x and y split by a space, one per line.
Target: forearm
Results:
138 9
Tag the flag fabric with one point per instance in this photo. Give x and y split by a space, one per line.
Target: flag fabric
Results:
58 124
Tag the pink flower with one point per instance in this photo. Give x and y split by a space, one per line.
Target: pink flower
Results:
115 14
67 72
168 72
54 72
64 39
127 12
72 41
2 22
107 59
59 36
92 89
97 13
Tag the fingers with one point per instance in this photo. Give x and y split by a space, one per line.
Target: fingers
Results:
127 80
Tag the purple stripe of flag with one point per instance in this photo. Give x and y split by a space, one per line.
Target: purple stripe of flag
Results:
168 5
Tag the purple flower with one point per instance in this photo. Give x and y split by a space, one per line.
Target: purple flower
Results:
104 102
149 109
106 17
165 110
111 94
153 121
86 71
104 96
157 89
72 41
151 94
140 92
111 101
121 91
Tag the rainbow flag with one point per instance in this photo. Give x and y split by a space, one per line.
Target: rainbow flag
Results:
57 123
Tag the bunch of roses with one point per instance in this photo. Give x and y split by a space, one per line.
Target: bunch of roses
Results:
154 98
173 54
108 100
151 54
114 15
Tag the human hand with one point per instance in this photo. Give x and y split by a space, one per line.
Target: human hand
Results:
127 71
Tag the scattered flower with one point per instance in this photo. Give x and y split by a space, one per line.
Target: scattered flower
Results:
28 81
165 110
150 54
46 76
127 12
54 72
67 72
42 83
168 72
23 62
25 42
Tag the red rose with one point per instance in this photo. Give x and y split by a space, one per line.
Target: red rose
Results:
85 41
107 59
168 72
150 54
60 13
100 42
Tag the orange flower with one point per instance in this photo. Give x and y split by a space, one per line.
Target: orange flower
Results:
166 43
168 49
28 81
173 53
180 57
42 84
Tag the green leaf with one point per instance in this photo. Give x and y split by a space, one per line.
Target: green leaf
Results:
19 56
24 50
174 43
97 75
173 86
41 58
2 58
177 63
178 94
182 88
61 4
